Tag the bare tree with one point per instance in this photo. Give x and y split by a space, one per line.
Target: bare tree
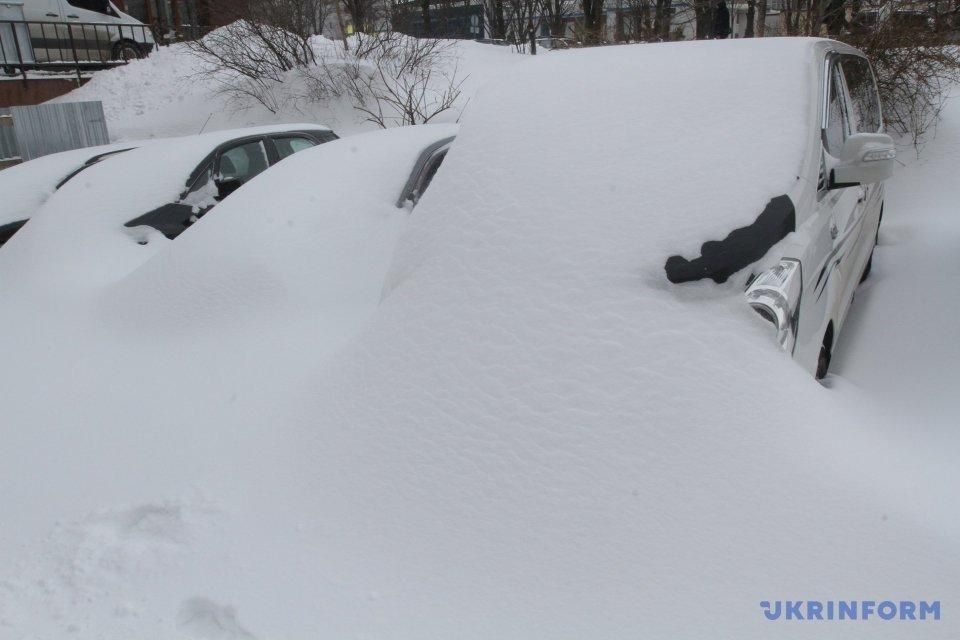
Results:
364 14
556 13
496 18
522 19
761 18
592 27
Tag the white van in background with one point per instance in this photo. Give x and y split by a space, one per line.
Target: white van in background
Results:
85 31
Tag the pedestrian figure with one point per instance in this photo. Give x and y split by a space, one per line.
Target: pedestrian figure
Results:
721 21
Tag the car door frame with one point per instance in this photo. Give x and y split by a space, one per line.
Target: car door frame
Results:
840 207
409 192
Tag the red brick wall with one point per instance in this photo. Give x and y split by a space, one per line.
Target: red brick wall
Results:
16 93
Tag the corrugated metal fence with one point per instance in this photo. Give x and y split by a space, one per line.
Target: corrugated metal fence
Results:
48 128
8 141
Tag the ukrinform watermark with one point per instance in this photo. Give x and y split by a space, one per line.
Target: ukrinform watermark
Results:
851 610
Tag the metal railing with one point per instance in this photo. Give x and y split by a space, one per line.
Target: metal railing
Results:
79 46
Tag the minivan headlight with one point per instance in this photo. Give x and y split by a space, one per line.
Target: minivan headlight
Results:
775 295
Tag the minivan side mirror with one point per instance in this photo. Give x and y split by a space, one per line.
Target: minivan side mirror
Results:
865 158
226 186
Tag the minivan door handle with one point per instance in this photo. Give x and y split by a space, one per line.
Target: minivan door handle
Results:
53 15
834 231
73 15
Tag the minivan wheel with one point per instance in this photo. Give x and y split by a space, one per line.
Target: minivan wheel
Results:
127 50
823 362
866 269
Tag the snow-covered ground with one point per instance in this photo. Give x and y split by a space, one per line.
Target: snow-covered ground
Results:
902 344
532 436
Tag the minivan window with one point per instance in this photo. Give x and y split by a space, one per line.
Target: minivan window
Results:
835 131
100 6
865 101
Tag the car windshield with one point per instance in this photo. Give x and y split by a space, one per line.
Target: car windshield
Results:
89 163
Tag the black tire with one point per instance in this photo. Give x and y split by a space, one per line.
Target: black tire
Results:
127 50
866 269
823 362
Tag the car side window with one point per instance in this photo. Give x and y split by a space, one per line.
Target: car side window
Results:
836 127
289 145
100 6
203 191
429 171
243 161
864 98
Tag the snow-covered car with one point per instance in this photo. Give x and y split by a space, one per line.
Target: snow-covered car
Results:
25 187
823 228
551 43
88 232
205 168
233 159
324 223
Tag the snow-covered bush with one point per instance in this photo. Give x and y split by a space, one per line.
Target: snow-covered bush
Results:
395 79
252 59
392 79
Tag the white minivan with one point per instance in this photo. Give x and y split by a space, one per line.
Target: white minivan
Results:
85 31
825 228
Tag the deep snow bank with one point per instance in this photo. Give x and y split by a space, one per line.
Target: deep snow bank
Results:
535 436
172 93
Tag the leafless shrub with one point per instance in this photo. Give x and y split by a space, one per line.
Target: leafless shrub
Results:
915 70
398 80
251 56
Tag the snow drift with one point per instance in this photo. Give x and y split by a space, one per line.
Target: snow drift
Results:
534 435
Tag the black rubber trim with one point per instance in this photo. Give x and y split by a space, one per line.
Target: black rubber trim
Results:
7 230
720 259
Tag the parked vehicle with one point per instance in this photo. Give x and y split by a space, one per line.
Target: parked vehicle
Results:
207 168
25 187
828 223
324 223
552 43
230 164
91 30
